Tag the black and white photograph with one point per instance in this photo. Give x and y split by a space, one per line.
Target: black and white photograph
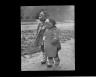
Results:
48 38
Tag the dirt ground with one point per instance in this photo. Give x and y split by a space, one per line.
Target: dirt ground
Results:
66 54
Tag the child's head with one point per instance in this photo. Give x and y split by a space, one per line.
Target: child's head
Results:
50 23
43 16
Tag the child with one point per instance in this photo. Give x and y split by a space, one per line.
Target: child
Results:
51 43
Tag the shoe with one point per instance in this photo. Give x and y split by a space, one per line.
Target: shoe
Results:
43 62
44 59
56 60
49 66
57 64
50 62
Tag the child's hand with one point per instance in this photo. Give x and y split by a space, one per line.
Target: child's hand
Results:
43 27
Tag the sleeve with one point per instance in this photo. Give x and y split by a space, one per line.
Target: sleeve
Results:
38 27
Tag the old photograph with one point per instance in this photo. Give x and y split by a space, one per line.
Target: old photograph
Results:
48 38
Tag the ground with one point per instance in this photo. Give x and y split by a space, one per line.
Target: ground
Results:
66 55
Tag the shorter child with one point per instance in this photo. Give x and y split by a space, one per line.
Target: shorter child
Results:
51 44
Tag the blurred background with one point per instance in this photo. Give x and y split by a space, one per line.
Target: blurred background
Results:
59 13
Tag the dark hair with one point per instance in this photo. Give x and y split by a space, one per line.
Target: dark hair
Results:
45 13
51 20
